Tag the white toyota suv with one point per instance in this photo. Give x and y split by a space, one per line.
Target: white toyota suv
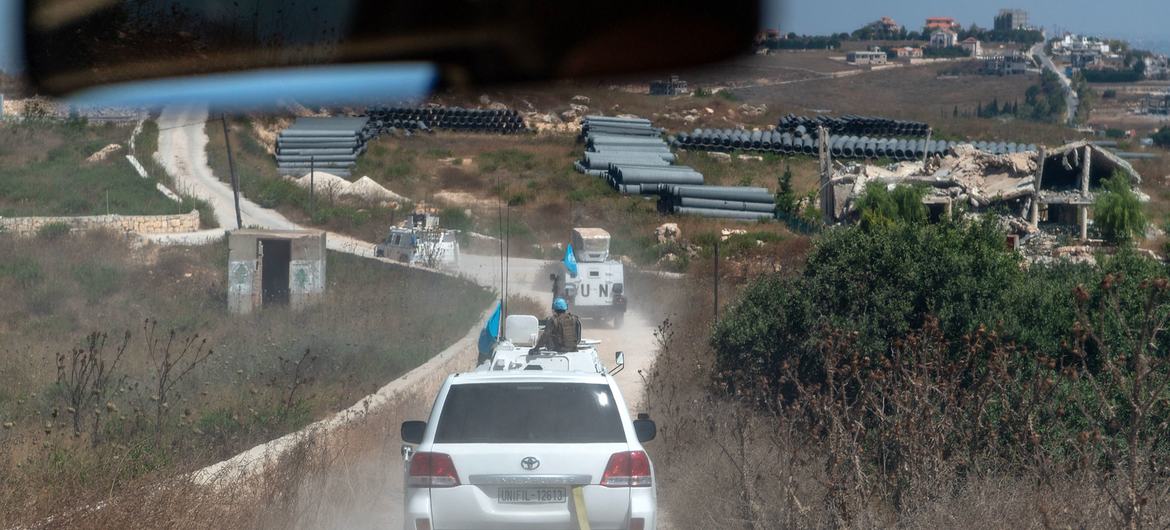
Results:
529 448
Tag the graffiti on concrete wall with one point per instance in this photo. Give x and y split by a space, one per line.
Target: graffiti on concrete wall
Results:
240 277
306 276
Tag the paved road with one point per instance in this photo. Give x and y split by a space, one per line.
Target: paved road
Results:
1070 96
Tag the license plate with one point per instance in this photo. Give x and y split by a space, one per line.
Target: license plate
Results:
532 495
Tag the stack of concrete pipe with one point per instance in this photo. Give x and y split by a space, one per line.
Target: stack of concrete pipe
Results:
840 146
630 155
327 144
501 121
727 202
850 124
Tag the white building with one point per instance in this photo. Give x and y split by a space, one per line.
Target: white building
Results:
943 38
867 57
973 47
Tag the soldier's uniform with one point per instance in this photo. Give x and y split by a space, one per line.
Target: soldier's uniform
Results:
561 333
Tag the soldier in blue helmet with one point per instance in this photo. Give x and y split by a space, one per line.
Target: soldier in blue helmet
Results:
563 330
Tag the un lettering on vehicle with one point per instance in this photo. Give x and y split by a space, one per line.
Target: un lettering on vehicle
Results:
602 290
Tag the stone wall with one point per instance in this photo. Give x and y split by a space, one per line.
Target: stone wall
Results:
141 224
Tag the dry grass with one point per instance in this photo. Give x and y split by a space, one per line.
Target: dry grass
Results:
346 478
375 322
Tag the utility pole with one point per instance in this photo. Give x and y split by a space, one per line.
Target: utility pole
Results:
717 237
232 169
825 156
926 151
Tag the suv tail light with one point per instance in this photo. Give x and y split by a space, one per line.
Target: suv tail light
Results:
432 470
627 469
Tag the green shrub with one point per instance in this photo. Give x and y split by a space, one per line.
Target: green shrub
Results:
519 198
22 270
53 231
97 281
881 206
1118 211
879 283
1162 137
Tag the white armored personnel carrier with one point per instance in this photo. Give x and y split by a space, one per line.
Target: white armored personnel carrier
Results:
597 290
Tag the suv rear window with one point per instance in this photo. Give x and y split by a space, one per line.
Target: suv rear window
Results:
529 413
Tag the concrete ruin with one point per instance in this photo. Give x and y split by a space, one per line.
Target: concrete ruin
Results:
1049 189
275 268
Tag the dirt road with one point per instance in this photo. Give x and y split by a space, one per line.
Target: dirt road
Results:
182 151
528 277
360 483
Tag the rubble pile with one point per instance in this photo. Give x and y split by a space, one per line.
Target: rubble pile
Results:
967 175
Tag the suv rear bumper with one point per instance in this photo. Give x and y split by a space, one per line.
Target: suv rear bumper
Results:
475 507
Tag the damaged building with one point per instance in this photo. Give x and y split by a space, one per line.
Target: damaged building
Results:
1051 190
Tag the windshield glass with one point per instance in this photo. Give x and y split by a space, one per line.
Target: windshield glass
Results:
529 413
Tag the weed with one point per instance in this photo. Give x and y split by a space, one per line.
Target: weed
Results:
97 281
506 159
54 231
84 376
24 271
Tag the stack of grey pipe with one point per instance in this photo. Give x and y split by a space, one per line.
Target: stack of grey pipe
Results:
327 144
840 146
728 202
631 155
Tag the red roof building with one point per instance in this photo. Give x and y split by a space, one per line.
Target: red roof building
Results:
934 23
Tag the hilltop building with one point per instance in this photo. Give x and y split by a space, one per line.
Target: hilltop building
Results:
943 38
1009 63
937 23
1011 20
972 46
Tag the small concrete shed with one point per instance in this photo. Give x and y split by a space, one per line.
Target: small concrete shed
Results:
275 267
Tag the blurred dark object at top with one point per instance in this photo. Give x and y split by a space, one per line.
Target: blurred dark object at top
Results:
76 44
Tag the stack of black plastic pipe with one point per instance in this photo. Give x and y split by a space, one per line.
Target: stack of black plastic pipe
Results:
326 144
501 121
850 124
840 146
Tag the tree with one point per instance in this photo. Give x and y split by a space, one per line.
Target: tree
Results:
1118 211
880 206
993 109
786 198
1162 137
955 113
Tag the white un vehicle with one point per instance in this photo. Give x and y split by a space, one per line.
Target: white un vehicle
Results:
530 440
598 289
420 241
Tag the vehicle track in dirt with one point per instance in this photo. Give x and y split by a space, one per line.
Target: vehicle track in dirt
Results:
377 468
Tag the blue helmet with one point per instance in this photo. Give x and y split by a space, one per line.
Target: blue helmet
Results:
560 305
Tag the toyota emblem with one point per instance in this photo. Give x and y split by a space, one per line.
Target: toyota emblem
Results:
530 463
